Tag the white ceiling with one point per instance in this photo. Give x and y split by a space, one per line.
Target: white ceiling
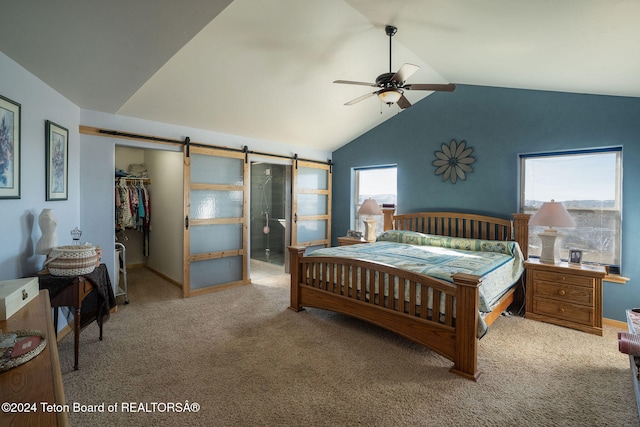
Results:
264 68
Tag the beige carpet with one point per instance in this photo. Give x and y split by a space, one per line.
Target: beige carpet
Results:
246 359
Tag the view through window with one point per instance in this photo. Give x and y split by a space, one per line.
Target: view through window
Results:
588 184
378 183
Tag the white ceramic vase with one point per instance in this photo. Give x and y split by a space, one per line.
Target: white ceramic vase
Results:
48 225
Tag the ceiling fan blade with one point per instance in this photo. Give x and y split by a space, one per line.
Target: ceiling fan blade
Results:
435 88
403 102
360 98
404 73
349 82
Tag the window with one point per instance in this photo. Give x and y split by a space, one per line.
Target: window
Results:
378 183
588 183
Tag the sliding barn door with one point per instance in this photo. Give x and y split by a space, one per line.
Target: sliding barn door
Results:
215 220
311 204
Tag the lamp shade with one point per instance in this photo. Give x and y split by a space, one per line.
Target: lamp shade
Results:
552 214
390 96
369 207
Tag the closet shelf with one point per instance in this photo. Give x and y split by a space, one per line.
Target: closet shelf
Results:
133 179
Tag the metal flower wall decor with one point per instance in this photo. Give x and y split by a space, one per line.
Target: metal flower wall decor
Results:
453 161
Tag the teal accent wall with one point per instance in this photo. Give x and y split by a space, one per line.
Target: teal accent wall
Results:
499 124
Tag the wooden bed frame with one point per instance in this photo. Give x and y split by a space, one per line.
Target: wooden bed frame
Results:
323 282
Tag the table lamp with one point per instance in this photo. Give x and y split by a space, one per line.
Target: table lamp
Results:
369 207
551 214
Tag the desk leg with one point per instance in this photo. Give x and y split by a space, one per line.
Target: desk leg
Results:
76 337
55 321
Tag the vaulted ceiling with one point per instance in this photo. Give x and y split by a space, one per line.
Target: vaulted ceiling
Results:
264 68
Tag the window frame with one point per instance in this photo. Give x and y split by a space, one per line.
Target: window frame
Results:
355 203
618 203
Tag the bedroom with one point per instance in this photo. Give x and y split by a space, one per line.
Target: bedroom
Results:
498 122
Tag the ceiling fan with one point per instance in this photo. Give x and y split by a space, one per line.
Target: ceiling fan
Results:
391 86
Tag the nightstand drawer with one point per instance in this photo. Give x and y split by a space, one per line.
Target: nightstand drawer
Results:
562 310
562 278
564 292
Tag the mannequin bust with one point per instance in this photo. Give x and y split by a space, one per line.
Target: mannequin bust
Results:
48 225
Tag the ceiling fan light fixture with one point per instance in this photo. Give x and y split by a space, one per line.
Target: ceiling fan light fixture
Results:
391 85
390 96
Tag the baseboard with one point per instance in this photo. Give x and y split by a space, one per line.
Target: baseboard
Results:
64 331
137 265
167 278
615 323
156 272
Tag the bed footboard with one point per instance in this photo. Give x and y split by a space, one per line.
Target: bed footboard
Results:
415 306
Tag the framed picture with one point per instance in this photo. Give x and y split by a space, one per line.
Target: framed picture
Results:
57 155
9 149
575 256
354 233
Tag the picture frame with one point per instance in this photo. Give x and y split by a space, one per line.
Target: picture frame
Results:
575 256
354 233
10 154
57 158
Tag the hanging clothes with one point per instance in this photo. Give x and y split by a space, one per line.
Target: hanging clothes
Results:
133 208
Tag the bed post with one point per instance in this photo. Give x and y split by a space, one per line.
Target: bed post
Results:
465 362
295 253
521 231
388 218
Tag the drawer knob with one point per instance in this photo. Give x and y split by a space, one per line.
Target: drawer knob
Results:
561 310
563 278
562 292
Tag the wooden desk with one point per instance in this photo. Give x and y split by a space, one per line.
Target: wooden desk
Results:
39 380
72 296
71 292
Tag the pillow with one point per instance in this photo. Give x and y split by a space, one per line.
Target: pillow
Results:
420 239
403 236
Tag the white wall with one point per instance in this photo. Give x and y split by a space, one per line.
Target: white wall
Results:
19 231
97 207
126 156
167 213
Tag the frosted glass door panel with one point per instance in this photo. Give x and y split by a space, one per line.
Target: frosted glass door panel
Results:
216 170
206 204
312 178
312 204
216 245
215 238
309 231
215 272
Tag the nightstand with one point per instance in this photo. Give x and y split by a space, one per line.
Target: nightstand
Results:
345 241
565 294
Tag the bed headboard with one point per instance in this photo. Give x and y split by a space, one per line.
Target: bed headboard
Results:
469 226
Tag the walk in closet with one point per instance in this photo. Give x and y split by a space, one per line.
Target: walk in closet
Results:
148 211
